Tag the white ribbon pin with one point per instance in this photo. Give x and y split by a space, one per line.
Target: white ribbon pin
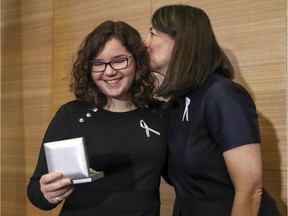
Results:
148 130
185 114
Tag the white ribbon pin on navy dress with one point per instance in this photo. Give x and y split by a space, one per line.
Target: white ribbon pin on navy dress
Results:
185 114
148 130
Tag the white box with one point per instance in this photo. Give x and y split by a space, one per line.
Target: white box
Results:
70 158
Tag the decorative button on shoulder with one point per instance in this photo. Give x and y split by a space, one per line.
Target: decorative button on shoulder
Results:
88 115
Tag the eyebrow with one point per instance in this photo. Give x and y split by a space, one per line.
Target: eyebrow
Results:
113 58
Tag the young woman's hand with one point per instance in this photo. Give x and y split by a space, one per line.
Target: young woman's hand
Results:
55 188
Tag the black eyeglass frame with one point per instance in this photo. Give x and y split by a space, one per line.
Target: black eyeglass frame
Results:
127 58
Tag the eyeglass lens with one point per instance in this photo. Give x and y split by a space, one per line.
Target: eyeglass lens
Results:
116 64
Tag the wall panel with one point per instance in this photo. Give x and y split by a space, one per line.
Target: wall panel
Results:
26 96
11 115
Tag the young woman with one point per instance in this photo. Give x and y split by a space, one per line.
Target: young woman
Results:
123 127
214 141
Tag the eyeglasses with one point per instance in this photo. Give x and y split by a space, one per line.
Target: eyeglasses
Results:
117 64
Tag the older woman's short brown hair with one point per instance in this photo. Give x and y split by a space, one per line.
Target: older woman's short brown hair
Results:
196 53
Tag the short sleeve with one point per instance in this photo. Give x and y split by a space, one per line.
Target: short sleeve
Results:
231 115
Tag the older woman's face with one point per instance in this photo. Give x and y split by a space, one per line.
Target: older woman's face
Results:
160 47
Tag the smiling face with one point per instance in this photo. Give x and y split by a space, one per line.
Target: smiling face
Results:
115 84
160 47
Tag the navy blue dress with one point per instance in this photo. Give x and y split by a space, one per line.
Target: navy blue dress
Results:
131 149
218 116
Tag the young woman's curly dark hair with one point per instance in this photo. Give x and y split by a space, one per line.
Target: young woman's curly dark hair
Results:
82 84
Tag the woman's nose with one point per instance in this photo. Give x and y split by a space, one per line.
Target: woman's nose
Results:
109 71
147 41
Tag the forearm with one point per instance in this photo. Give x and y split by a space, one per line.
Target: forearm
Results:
247 203
245 169
36 197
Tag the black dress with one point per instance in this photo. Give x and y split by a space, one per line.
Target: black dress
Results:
129 147
214 118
